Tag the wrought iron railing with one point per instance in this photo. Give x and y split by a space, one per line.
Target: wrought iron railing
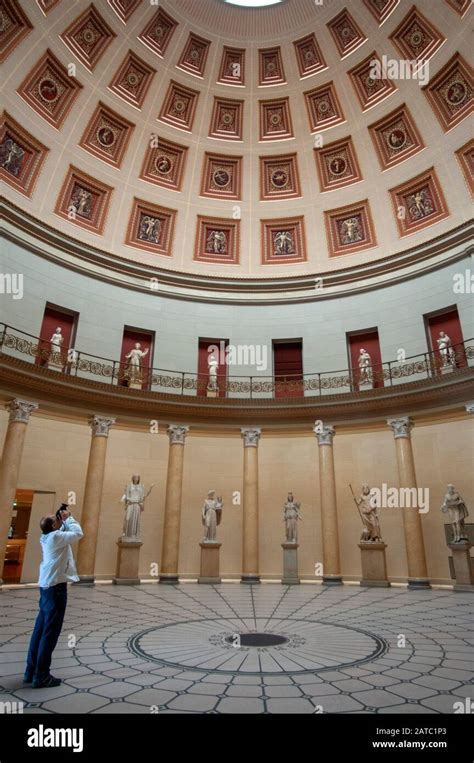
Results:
72 362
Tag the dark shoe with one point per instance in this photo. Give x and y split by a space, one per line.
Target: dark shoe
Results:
27 679
46 683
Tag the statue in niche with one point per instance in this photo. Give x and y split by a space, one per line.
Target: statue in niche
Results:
284 242
11 156
351 230
420 204
135 364
365 367
457 509
291 515
81 202
150 229
369 513
134 499
216 241
213 365
445 347
56 342
211 515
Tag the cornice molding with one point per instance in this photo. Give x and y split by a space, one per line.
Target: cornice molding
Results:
68 252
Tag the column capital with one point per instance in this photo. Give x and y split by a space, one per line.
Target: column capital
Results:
100 425
250 436
401 427
20 410
177 433
470 407
324 433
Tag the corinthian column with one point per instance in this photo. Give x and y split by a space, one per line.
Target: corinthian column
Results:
174 488
20 411
415 547
100 426
250 436
327 488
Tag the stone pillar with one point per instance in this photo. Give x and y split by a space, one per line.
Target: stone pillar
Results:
100 426
415 547
20 411
327 478
463 566
128 560
290 564
250 436
174 488
374 565
210 562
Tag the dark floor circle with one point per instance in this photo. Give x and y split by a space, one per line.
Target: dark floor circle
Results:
256 639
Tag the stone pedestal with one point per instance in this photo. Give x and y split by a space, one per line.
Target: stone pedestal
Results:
374 566
447 369
134 384
462 562
209 562
212 392
128 559
290 564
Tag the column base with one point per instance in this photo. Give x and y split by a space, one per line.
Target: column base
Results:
290 563
171 579
374 567
209 572
414 583
250 579
332 580
126 581
85 580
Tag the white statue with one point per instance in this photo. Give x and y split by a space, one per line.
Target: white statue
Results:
291 515
446 349
134 500
135 361
211 515
213 365
369 513
365 367
455 506
56 343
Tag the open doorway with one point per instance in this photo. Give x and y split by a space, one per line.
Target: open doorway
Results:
17 536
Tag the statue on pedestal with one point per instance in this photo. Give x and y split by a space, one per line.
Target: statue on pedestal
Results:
135 358
211 515
134 500
56 343
445 346
365 367
213 365
455 506
291 515
369 513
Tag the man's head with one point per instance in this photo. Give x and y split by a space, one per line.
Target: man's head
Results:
50 523
135 479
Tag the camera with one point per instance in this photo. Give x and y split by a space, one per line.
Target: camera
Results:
63 507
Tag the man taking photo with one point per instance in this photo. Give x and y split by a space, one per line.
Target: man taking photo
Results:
58 566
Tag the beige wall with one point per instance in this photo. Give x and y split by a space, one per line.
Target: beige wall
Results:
55 459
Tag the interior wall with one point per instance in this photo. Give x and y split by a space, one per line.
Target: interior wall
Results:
55 459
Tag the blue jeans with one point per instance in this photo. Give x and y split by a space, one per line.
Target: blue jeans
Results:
52 605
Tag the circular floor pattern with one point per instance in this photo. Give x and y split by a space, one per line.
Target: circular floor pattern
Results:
232 645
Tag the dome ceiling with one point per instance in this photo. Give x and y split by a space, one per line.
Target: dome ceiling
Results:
218 140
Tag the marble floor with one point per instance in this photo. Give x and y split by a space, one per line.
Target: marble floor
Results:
232 648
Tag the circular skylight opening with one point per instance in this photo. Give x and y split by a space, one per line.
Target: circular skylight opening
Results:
253 3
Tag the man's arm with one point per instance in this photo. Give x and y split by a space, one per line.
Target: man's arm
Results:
69 535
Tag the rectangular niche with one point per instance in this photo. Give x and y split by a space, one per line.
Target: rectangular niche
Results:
288 367
445 320
136 375
54 355
203 367
368 340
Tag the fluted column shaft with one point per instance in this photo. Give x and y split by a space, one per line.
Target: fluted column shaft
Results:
90 518
20 411
174 489
414 543
327 487
250 567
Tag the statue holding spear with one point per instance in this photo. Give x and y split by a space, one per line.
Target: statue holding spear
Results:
368 512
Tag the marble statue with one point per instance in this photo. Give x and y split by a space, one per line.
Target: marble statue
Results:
365 367
56 342
283 242
446 349
211 514
455 506
291 515
369 514
213 365
134 499
135 362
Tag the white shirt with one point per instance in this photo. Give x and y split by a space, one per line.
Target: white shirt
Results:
58 565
